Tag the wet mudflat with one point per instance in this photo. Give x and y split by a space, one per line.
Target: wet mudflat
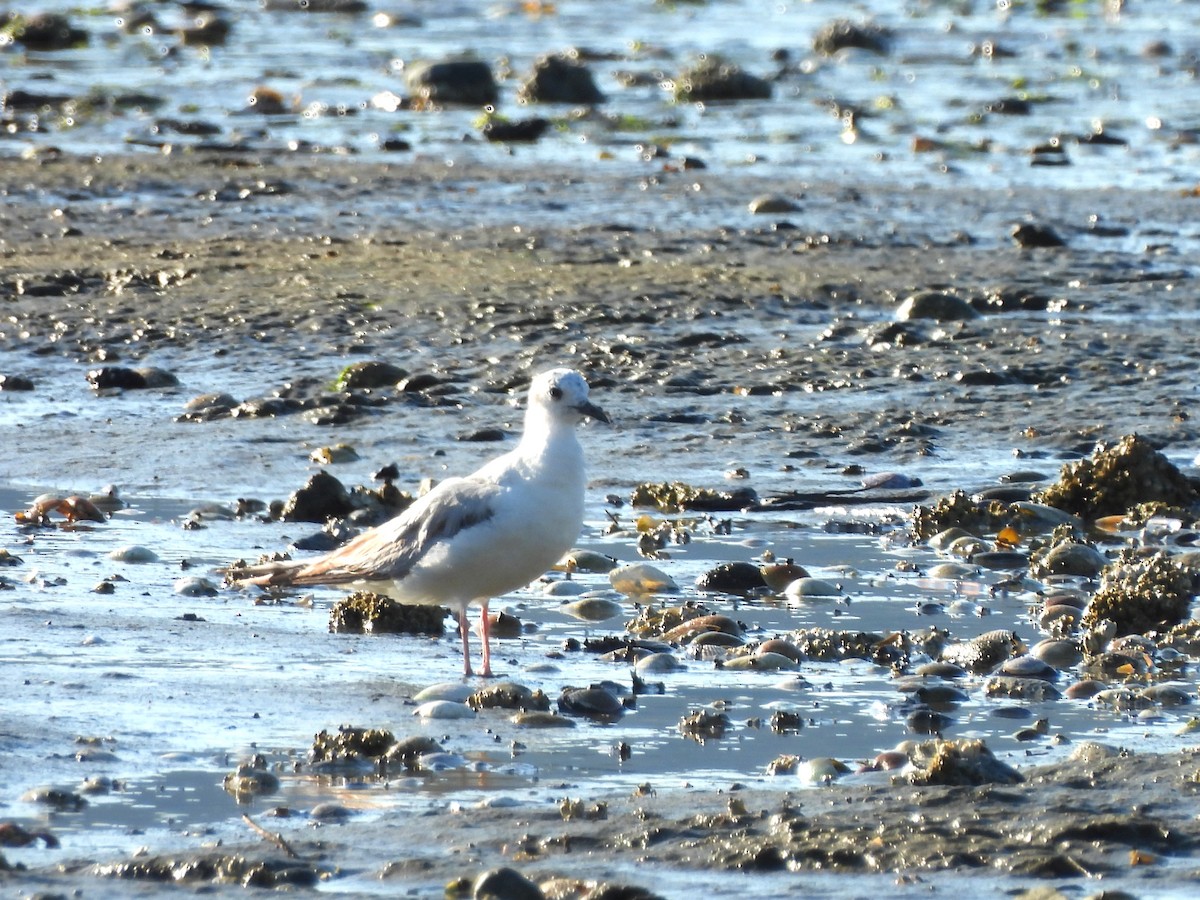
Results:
720 350
184 325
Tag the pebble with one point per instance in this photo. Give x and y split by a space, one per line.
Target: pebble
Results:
453 691
658 663
195 586
812 589
563 587
444 709
638 579
772 204
133 554
935 305
593 609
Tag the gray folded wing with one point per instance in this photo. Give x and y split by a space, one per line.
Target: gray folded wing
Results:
389 552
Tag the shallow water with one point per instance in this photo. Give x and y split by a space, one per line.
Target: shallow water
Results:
921 109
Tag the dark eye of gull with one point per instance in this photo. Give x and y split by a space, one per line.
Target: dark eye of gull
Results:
555 393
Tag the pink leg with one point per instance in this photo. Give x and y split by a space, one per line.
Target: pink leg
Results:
465 627
485 628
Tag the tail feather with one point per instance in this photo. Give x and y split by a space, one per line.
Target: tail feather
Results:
270 574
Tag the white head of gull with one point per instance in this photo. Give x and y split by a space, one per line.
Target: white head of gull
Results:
473 538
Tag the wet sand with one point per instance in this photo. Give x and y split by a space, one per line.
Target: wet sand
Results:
124 260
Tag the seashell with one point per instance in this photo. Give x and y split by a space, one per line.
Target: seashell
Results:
587 561
133 554
593 609
1060 654
812 589
821 770
657 664
538 719
195 586
716 639
1000 559
944 539
1170 695
953 571
781 646
940 670
1028 666
965 547
701 624
779 575
454 691
563 587
1041 514
764 662
1084 690
638 579
444 709
1072 558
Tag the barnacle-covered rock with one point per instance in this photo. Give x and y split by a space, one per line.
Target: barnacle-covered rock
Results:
1185 638
958 510
366 613
984 653
732 578
704 723
1118 477
675 496
654 621
509 695
1141 595
349 742
964 762
1065 554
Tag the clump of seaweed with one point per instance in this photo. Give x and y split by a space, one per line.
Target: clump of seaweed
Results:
958 510
366 613
1119 477
1142 594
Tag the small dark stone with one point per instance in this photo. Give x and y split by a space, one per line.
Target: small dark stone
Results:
44 31
15 383
484 435
468 82
387 474
422 381
732 578
842 33
505 884
560 79
116 377
515 131
371 374
714 80
322 498
1032 236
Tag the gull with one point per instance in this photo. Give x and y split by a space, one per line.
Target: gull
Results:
473 538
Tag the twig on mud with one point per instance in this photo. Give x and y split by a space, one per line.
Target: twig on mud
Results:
274 838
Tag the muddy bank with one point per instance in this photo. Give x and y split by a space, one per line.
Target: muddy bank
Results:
864 330
1104 821
1052 348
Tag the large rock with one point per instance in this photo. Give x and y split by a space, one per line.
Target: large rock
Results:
560 79
468 82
